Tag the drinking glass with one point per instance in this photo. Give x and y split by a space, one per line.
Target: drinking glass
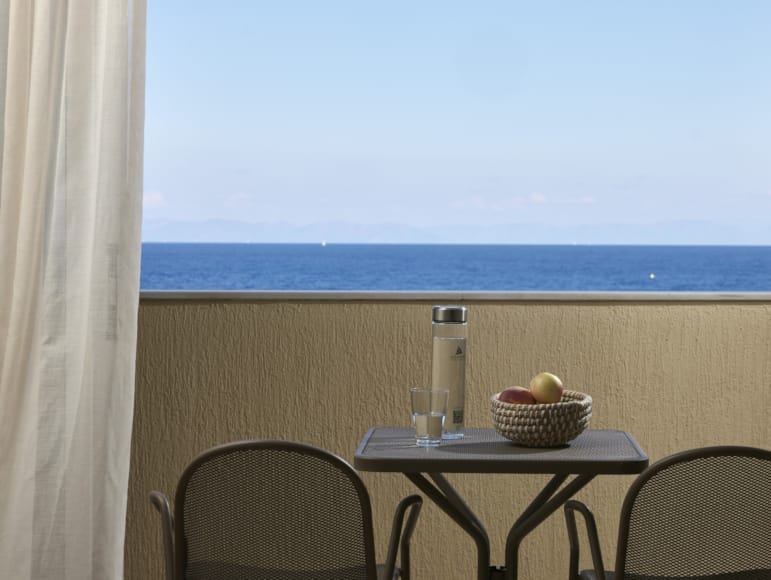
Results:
429 408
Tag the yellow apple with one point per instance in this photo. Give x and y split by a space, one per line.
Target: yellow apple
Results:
546 388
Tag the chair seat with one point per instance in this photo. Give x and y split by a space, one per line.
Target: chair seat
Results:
742 575
212 570
591 575
208 570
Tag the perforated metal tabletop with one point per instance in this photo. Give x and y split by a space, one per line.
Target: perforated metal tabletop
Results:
595 452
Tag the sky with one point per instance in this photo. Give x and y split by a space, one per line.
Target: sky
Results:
592 121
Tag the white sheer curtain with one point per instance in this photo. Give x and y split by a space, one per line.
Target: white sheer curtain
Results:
72 114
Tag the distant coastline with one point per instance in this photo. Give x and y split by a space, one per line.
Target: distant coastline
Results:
340 232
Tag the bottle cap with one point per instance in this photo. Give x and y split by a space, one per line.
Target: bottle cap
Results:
449 314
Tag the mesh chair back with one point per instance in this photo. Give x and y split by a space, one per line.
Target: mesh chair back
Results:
273 510
704 513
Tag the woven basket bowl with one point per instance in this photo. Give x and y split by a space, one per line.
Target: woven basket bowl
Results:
543 424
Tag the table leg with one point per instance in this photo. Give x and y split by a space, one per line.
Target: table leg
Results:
544 504
548 490
450 502
456 500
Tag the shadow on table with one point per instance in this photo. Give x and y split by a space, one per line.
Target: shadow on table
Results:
502 449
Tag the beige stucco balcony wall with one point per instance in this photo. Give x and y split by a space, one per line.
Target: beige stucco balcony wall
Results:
677 371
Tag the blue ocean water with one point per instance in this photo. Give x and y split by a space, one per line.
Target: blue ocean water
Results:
455 267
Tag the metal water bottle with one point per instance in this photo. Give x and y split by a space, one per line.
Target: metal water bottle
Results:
448 369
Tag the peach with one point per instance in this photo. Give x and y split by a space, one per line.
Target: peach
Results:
518 395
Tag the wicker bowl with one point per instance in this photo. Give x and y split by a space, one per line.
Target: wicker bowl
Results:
543 424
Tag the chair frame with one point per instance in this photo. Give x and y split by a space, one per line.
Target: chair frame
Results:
574 506
175 548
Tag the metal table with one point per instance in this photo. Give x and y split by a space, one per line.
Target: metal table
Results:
594 452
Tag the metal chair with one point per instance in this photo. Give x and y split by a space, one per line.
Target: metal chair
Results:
703 513
277 510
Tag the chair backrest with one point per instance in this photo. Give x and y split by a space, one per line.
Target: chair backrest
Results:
700 513
273 510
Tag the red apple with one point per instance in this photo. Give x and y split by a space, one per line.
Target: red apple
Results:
517 395
546 388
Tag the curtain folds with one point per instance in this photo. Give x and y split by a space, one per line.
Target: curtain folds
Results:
72 115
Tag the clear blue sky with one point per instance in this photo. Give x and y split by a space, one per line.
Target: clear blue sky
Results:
544 114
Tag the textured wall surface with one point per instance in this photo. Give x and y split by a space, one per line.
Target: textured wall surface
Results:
674 374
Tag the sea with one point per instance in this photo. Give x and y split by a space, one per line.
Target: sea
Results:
455 267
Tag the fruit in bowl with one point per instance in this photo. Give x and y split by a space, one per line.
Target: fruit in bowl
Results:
517 395
546 388
545 415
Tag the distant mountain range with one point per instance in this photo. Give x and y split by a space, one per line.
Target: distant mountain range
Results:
674 233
